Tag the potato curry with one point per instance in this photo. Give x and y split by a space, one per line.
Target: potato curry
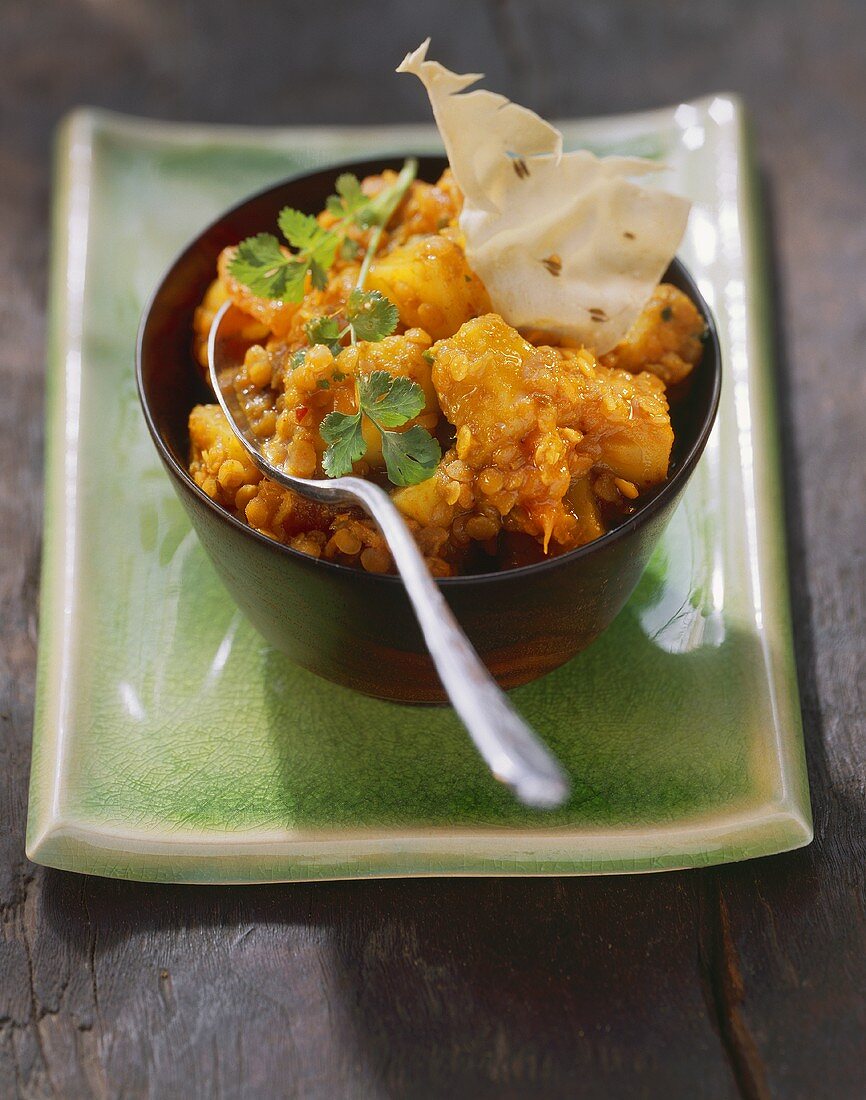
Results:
372 347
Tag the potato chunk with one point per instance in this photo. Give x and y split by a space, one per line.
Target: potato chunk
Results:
666 339
532 421
431 285
218 462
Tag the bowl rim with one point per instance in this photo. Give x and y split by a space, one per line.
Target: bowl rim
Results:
643 513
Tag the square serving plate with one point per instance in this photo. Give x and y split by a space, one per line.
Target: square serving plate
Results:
172 744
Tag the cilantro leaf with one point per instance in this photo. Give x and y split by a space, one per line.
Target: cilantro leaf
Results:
298 228
410 457
345 442
318 275
262 266
350 203
349 189
304 233
390 402
266 270
324 330
371 315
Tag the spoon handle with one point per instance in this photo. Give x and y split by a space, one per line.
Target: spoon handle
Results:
508 745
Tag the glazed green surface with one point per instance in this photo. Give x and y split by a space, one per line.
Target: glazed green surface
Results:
162 714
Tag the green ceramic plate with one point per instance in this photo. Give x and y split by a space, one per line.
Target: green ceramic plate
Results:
171 743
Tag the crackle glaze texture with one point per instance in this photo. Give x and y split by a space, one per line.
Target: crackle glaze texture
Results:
172 744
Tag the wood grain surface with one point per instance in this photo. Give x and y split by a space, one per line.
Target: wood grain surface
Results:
745 980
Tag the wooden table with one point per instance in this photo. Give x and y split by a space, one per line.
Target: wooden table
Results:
744 980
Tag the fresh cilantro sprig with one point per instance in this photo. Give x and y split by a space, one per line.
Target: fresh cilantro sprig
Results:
270 270
388 402
369 316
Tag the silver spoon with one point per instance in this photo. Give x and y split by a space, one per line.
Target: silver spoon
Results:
509 747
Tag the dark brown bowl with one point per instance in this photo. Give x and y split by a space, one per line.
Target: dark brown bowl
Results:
357 628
